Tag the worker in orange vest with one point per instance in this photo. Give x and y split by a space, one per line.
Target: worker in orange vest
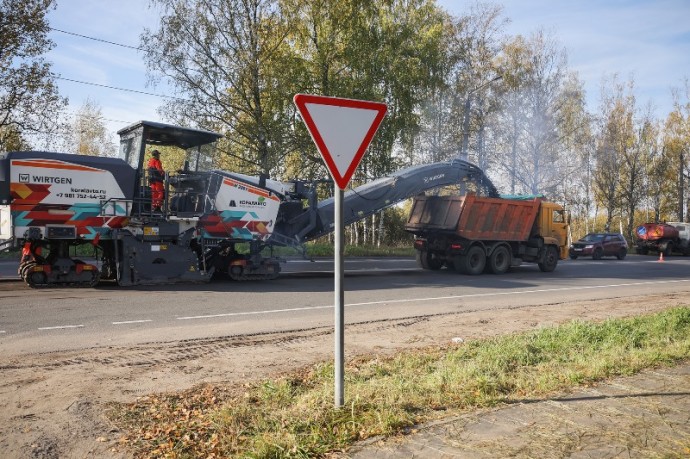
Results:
156 176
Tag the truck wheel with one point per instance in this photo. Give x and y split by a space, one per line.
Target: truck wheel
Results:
621 253
550 260
472 263
428 260
500 260
643 251
598 253
573 257
669 249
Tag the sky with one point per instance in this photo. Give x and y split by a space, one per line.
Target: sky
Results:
646 39
90 61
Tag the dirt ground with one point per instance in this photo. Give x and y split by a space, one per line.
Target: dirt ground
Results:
52 404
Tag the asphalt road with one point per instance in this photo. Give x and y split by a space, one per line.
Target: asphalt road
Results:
48 320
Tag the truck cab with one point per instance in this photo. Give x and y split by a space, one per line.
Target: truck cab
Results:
553 224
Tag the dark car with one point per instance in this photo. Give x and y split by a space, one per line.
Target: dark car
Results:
597 245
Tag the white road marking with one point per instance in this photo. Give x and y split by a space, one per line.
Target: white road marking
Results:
352 260
519 292
253 313
347 271
60 327
451 297
390 301
132 322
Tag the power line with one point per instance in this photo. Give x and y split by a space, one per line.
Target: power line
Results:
97 39
100 118
162 55
106 86
121 89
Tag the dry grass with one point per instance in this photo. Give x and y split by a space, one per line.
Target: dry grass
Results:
294 416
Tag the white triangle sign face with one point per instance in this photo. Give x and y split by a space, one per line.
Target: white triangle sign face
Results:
342 130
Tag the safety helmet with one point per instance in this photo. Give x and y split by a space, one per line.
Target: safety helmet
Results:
155 153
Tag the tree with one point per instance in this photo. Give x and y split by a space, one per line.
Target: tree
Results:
89 135
402 42
677 147
606 180
29 100
636 155
321 45
631 141
435 140
510 125
457 108
615 137
659 184
576 140
475 77
226 60
12 140
535 75
236 65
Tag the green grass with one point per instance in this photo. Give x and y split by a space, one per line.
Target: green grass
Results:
10 254
327 250
294 416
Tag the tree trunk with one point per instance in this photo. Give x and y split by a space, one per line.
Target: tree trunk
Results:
681 187
381 232
513 157
373 229
365 231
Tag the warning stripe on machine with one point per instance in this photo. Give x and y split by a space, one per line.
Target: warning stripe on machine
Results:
251 189
51 164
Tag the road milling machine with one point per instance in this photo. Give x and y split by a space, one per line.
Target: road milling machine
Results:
52 202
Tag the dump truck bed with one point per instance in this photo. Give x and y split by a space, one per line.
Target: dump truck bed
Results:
473 217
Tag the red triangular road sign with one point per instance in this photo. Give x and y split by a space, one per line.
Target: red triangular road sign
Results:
342 130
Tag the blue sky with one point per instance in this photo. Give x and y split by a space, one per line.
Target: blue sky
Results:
646 39
649 40
91 61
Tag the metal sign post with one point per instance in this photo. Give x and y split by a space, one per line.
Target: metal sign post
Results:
342 130
339 278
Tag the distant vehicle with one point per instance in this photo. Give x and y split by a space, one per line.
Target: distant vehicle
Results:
597 245
667 238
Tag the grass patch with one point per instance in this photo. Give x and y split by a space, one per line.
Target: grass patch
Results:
294 416
327 250
13 253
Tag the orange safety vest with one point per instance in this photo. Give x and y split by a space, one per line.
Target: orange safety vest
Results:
155 170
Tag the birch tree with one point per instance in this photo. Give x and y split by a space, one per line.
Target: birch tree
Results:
29 99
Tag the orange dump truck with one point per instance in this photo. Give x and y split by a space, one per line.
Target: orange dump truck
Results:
473 234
